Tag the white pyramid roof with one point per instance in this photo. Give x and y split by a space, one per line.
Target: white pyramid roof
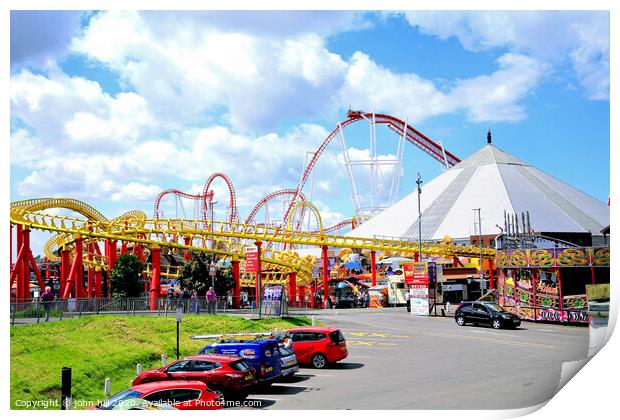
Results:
493 181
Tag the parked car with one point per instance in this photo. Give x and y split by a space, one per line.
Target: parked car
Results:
489 313
140 404
260 353
288 362
182 395
229 376
318 346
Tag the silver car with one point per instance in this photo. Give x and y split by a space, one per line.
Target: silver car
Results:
288 362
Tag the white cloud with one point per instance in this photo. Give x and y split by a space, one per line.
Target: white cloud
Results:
135 191
192 69
492 97
549 37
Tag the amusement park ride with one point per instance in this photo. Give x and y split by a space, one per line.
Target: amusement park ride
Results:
78 241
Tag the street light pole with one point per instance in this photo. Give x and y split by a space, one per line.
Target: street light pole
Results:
419 182
480 244
212 203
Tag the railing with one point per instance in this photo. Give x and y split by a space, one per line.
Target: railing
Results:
32 311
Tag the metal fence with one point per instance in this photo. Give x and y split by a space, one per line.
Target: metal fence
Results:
34 311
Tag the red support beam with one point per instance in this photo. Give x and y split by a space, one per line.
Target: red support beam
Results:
292 287
593 278
187 241
79 268
258 272
98 283
154 292
416 256
236 278
302 294
373 267
325 274
65 268
27 261
90 271
19 265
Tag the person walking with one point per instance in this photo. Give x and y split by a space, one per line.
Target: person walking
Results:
211 301
194 306
408 298
47 298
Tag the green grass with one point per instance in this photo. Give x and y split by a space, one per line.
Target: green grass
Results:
99 347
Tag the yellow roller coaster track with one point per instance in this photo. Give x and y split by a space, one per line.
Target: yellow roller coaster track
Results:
166 232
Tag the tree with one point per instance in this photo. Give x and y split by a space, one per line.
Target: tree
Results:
195 275
126 277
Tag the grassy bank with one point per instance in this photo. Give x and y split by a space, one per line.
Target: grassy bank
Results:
99 347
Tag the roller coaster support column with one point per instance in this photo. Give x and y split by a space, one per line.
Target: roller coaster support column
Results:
90 271
186 254
98 281
325 274
235 274
301 294
292 287
155 286
258 277
65 268
75 279
373 267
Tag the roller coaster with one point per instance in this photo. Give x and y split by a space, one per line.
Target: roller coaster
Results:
78 241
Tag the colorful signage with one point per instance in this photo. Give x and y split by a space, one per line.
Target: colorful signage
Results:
251 259
553 257
416 273
272 299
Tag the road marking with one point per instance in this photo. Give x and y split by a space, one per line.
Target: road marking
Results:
376 335
360 356
491 340
369 343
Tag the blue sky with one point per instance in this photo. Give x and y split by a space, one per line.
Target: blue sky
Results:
114 107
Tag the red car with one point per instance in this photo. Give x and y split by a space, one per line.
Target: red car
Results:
318 346
182 395
227 376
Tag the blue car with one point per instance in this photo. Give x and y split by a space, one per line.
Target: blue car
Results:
262 354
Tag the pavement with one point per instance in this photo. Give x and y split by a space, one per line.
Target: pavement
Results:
398 362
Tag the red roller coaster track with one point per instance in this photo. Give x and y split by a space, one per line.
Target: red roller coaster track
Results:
290 192
160 196
205 198
412 135
233 198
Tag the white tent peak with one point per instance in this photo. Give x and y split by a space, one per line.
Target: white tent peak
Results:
494 181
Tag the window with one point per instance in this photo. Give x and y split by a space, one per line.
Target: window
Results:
285 352
241 366
318 336
180 395
160 397
336 336
302 336
183 366
479 306
204 366
115 399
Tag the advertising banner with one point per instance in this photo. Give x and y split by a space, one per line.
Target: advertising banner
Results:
418 296
416 273
272 299
251 259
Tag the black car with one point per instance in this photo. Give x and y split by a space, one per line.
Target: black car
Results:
489 313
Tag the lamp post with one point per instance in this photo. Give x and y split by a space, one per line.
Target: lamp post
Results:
419 182
480 244
212 268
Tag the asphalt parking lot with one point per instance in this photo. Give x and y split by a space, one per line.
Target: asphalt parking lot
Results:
396 362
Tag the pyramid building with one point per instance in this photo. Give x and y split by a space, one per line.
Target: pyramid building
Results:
493 181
